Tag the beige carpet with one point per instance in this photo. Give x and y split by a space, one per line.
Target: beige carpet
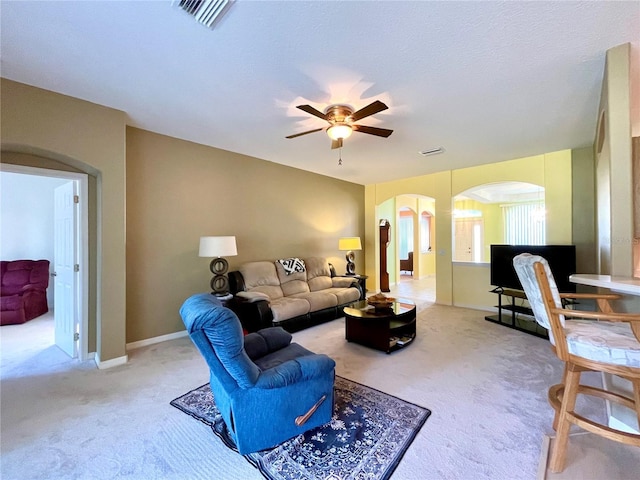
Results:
592 457
485 384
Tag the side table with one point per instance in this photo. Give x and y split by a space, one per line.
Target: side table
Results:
224 299
362 281
384 329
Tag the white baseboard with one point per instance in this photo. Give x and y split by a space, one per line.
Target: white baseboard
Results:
151 341
114 362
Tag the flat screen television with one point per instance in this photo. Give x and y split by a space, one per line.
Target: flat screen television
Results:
561 258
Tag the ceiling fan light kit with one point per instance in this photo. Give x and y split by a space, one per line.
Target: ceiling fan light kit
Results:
342 120
339 131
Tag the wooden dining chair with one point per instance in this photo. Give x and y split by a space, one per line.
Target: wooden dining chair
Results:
601 341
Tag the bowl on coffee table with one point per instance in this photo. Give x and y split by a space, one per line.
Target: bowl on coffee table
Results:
381 302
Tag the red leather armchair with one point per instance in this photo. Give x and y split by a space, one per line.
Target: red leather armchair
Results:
23 290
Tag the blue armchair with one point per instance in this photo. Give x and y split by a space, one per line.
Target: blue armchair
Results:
267 389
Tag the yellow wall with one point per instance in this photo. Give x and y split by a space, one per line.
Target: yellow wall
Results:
427 260
91 138
436 186
386 211
460 284
558 197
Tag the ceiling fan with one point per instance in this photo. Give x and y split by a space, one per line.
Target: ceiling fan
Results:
341 120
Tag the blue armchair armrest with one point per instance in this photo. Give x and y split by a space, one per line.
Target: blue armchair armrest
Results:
292 371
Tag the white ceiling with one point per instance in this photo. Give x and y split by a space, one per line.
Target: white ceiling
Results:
488 81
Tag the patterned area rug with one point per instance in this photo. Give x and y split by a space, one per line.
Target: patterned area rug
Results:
369 433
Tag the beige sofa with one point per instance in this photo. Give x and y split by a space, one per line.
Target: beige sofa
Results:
294 297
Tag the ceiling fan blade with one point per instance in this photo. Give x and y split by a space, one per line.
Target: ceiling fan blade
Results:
336 144
304 133
370 109
312 111
380 132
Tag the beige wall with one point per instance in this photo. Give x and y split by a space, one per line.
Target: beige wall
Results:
91 138
614 172
614 167
178 191
614 181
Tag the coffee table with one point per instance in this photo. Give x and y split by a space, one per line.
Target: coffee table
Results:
386 329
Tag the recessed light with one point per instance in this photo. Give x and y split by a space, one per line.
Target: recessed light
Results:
431 151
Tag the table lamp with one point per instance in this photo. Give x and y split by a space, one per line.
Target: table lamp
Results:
218 247
350 244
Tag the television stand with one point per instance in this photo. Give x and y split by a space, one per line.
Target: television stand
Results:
521 317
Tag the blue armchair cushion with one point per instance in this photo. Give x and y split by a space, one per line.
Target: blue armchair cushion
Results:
278 357
265 341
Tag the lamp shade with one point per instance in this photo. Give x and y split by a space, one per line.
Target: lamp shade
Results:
217 247
349 243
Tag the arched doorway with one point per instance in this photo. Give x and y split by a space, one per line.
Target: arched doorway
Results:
496 213
411 252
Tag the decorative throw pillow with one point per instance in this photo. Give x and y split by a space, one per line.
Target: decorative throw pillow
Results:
292 265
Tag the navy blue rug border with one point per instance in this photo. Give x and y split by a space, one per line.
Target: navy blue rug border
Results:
256 463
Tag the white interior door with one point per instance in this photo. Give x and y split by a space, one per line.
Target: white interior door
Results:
65 270
468 240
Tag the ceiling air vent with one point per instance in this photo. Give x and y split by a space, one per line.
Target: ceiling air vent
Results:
431 151
204 11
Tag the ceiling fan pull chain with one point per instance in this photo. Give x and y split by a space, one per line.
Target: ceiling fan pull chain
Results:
340 156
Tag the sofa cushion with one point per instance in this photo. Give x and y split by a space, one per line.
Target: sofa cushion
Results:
262 277
291 283
11 302
318 273
13 278
319 300
40 272
345 295
288 307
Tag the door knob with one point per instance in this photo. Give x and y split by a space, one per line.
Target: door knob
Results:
53 274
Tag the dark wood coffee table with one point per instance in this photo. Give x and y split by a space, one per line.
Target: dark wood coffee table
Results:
386 329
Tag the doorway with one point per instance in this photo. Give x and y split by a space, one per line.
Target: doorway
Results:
71 311
412 218
406 221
